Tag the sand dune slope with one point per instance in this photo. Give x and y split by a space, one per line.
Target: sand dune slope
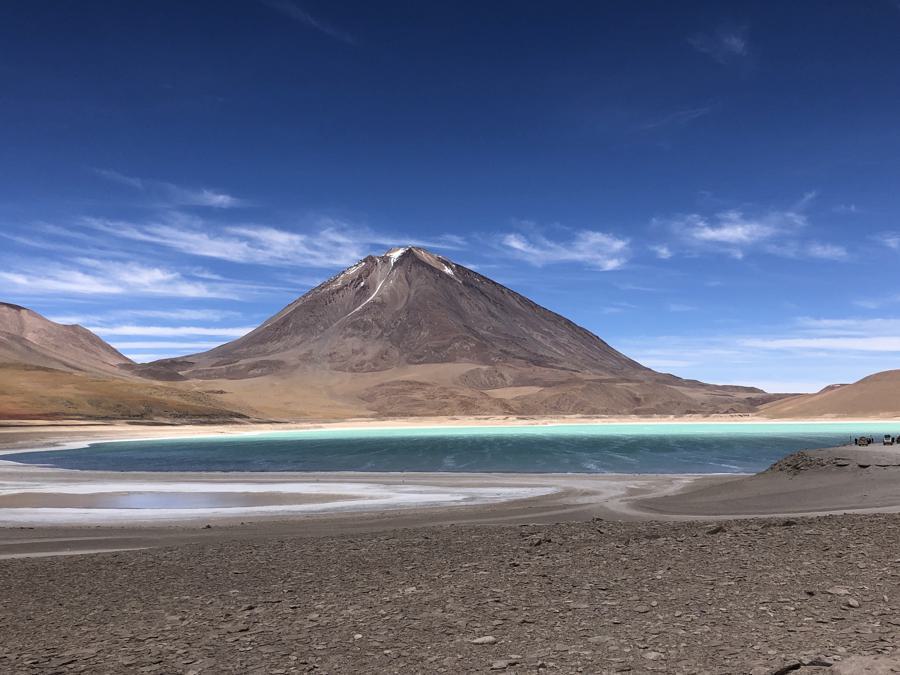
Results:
877 395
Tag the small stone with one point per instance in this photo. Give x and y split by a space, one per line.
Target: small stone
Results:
653 656
837 590
818 662
503 664
853 602
642 609
716 529
484 640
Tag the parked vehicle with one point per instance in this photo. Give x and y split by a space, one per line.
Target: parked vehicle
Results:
888 440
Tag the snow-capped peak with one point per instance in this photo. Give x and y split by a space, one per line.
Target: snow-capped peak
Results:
395 253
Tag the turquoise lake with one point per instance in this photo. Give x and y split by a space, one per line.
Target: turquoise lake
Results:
606 448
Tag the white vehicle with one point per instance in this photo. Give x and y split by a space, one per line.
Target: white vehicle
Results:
888 440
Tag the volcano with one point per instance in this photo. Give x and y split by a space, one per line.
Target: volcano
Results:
414 333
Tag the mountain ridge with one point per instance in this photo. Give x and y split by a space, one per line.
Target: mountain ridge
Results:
29 338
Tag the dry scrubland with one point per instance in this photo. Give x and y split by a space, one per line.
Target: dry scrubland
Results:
35 392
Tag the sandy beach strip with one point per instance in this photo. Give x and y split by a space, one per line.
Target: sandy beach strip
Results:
19 435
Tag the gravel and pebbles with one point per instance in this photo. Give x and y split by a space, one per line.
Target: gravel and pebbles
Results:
819 595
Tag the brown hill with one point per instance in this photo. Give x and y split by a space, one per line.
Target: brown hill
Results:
413 333
28 338
50 370
877 395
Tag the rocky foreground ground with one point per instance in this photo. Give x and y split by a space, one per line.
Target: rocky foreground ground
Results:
765 596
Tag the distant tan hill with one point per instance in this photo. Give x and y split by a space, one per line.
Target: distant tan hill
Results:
51 370
877 395
27 338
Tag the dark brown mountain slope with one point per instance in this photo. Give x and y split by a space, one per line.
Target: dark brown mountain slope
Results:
411 307
413 333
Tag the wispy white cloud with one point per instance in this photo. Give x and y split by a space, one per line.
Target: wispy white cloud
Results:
724 45
851 334
889 239
87 276
117 316
849 326
826 251
731 227
847 209
173 331
297 13
679 118
658 363
330 246
598 250
618 308
807 249
737 231
174 195
183 314
662 251
680 307
163 344
730 232
877 302
328 243
642 288
863 344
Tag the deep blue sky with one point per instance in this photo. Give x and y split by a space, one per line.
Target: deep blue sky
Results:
711 187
